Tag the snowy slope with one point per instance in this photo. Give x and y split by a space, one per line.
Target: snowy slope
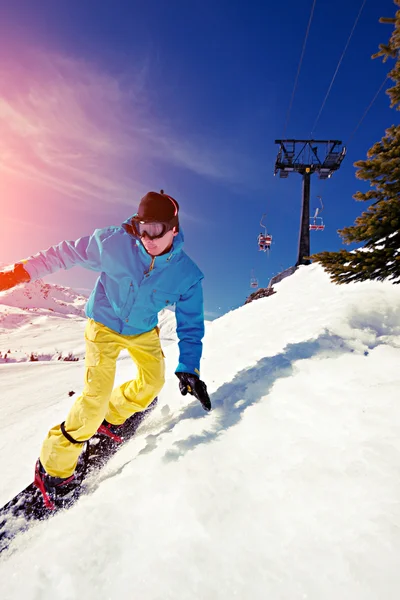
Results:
288 489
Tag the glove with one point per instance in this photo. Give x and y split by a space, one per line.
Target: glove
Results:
192 384
9 279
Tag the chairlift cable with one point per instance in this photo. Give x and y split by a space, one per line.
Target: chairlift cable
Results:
367 110
299 67
337 68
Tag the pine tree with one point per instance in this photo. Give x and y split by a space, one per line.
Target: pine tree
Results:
379 226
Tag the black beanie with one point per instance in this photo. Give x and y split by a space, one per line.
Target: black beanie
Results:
156 206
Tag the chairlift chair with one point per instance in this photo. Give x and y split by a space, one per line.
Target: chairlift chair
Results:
261 242
316 222
317 226
253 281
264 239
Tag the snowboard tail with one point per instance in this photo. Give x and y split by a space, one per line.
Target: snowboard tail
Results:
28 506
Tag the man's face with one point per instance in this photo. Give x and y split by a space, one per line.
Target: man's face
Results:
159 245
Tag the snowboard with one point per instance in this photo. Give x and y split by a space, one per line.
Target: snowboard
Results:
28 506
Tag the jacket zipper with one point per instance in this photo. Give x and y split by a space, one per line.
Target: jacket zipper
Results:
151 265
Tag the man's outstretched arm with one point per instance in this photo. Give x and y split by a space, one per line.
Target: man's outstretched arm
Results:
85 252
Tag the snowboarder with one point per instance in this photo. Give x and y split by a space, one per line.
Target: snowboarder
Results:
143 269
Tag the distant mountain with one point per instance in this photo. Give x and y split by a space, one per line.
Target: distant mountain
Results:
44 318
49 296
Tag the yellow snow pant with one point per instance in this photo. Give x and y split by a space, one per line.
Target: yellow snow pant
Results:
99 400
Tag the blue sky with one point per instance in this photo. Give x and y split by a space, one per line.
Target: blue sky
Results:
189 97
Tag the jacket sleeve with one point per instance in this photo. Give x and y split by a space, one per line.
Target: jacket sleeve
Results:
190 329
85 252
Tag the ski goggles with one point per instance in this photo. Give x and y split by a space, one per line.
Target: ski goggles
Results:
153 229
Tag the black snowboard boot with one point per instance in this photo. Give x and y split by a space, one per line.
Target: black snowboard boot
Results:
110 431
52 487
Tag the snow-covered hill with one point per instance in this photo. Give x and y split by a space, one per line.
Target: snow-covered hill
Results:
46 322
287 489
51 297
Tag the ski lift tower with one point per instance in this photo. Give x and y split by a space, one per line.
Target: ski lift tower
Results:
307 157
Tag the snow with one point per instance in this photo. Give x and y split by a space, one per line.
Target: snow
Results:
289 488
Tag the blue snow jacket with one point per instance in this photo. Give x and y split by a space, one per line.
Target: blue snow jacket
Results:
133 286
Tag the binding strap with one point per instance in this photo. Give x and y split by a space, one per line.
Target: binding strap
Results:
69 437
